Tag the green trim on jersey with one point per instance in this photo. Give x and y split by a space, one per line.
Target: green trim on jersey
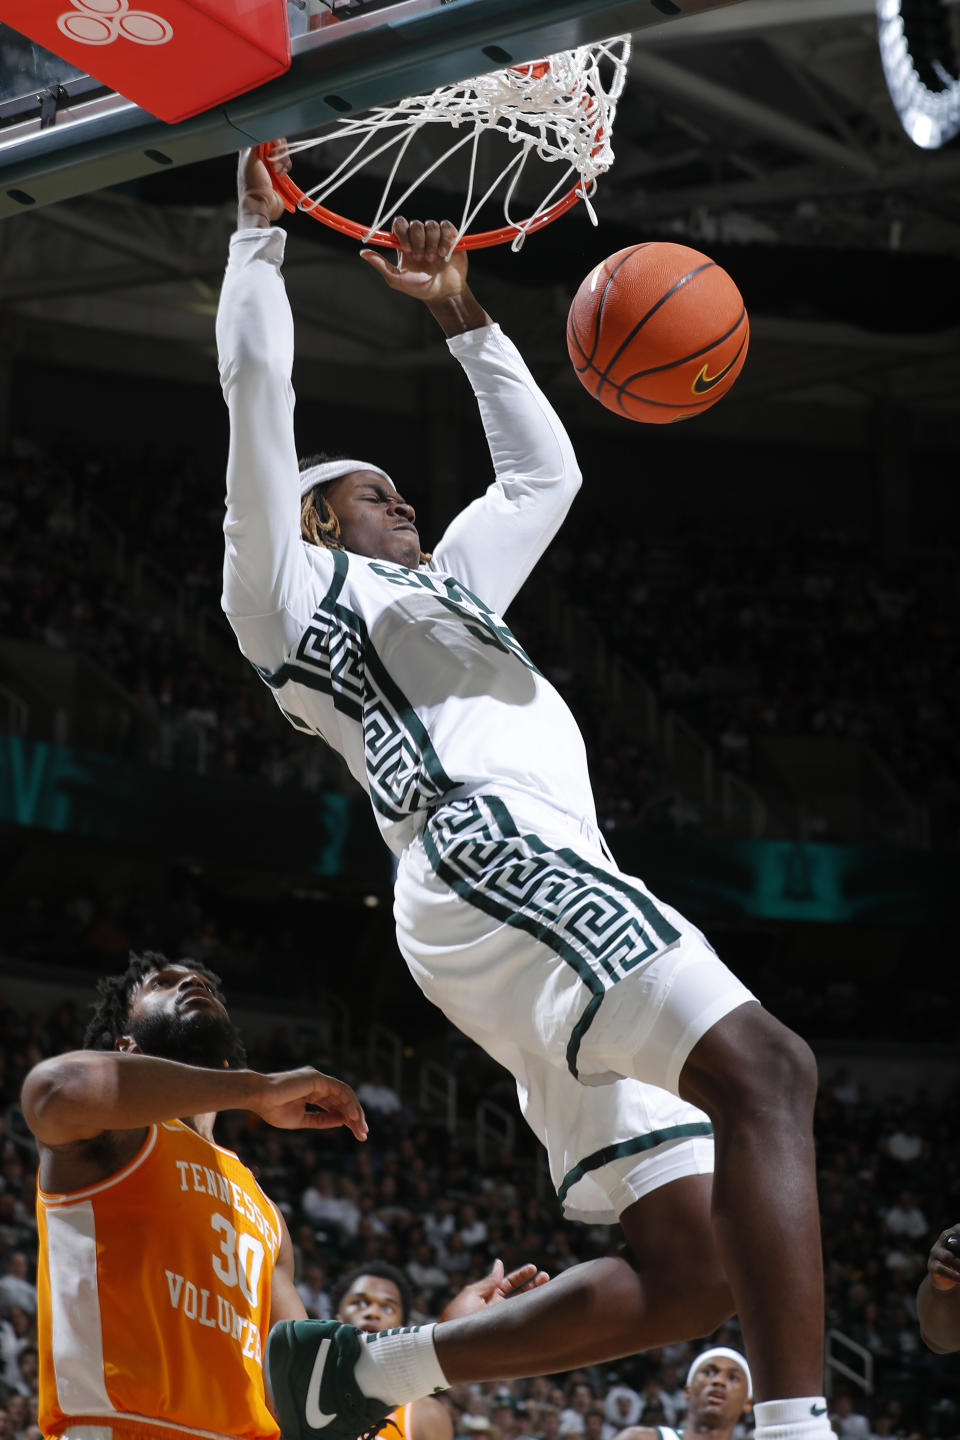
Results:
636 1146
335 656
475 614
596 922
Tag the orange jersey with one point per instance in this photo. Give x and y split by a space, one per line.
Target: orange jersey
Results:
154 1295
398 1424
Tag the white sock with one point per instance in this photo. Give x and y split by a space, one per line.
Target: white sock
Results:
400 1365
798 1419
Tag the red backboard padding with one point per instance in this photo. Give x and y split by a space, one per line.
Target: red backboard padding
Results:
174 58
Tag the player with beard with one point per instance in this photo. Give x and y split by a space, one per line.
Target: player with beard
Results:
162 1263
720 1390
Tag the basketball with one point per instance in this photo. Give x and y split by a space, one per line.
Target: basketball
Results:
658 332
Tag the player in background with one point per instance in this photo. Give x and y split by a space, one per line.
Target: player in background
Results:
719 1391
377 1297
938 1298
162 1263
617 1019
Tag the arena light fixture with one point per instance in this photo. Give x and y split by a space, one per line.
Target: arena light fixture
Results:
920 64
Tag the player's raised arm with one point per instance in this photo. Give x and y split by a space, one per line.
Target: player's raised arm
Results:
82 1094
495 542
430 269
264 568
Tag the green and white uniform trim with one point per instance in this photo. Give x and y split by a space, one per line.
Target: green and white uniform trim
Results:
637 1146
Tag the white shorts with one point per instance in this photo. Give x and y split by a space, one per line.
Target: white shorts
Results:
514 920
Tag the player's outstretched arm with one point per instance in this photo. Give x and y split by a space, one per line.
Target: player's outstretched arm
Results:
266 579
258 204
492 545
85 1093
938 1299
430 269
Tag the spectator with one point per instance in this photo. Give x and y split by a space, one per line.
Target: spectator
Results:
906 1217
904 1144
425 1274
15 1286
377 1097
313 1291
579 1398
621 1407
846 1419
472 1230
20 1416
595 1426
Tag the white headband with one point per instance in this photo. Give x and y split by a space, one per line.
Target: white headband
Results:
332 470
720 1352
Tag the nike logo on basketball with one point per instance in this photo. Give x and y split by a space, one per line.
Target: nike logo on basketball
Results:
705 382
314 1416
814 1409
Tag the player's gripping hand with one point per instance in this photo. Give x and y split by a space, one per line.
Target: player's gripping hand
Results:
943 1262
307 1100
427 267
257 201
493 1288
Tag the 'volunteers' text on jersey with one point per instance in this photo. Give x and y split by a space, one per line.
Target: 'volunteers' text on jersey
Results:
154 1295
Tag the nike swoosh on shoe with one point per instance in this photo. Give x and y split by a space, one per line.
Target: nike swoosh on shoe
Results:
313 1415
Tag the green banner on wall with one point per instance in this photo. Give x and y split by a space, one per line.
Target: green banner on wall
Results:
249 822
792 880
85 793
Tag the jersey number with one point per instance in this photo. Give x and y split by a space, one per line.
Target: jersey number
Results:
242 1258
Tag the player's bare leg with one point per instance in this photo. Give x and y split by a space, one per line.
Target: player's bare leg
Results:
757 1082
759 1226
671 1288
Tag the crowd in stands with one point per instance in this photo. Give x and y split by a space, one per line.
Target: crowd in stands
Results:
816 635
72 579
812 636
417 1196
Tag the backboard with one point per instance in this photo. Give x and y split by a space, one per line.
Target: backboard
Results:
63 134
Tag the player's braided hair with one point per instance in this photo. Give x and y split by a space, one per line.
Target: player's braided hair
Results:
319 524
318 521
111 1015
382 1270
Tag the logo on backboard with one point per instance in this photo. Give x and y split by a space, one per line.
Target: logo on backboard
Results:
100 22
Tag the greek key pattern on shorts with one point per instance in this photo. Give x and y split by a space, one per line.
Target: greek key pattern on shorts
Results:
590 916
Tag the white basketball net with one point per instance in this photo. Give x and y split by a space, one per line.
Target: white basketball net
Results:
564 114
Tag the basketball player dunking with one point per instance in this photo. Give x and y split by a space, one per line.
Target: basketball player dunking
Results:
616 1017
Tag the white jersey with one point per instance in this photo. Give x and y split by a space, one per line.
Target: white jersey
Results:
411 675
